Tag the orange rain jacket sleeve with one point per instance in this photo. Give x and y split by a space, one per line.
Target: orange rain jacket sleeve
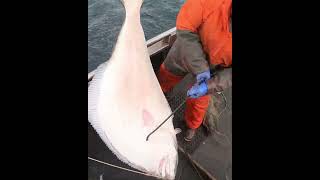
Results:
188 21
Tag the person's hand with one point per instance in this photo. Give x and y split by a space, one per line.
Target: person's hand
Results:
198 90
204 76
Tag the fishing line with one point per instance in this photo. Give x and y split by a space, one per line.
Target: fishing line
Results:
137 172
218 117
225 100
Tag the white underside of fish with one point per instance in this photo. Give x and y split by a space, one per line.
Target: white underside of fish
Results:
125 103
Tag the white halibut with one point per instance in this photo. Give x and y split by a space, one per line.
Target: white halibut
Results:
125 103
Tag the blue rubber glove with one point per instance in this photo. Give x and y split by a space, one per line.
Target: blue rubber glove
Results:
198 90
204 76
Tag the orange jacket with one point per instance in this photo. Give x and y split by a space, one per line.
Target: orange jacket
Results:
209 19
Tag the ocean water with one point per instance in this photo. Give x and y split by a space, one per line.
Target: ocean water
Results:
105 18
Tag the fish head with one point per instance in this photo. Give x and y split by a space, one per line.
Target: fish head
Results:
166 160
167 166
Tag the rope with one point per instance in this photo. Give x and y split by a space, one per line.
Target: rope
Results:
133 171
194 167
190 161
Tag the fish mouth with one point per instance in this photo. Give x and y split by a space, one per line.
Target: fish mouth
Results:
164 168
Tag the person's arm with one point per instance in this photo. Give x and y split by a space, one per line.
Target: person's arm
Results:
189 19
193 55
